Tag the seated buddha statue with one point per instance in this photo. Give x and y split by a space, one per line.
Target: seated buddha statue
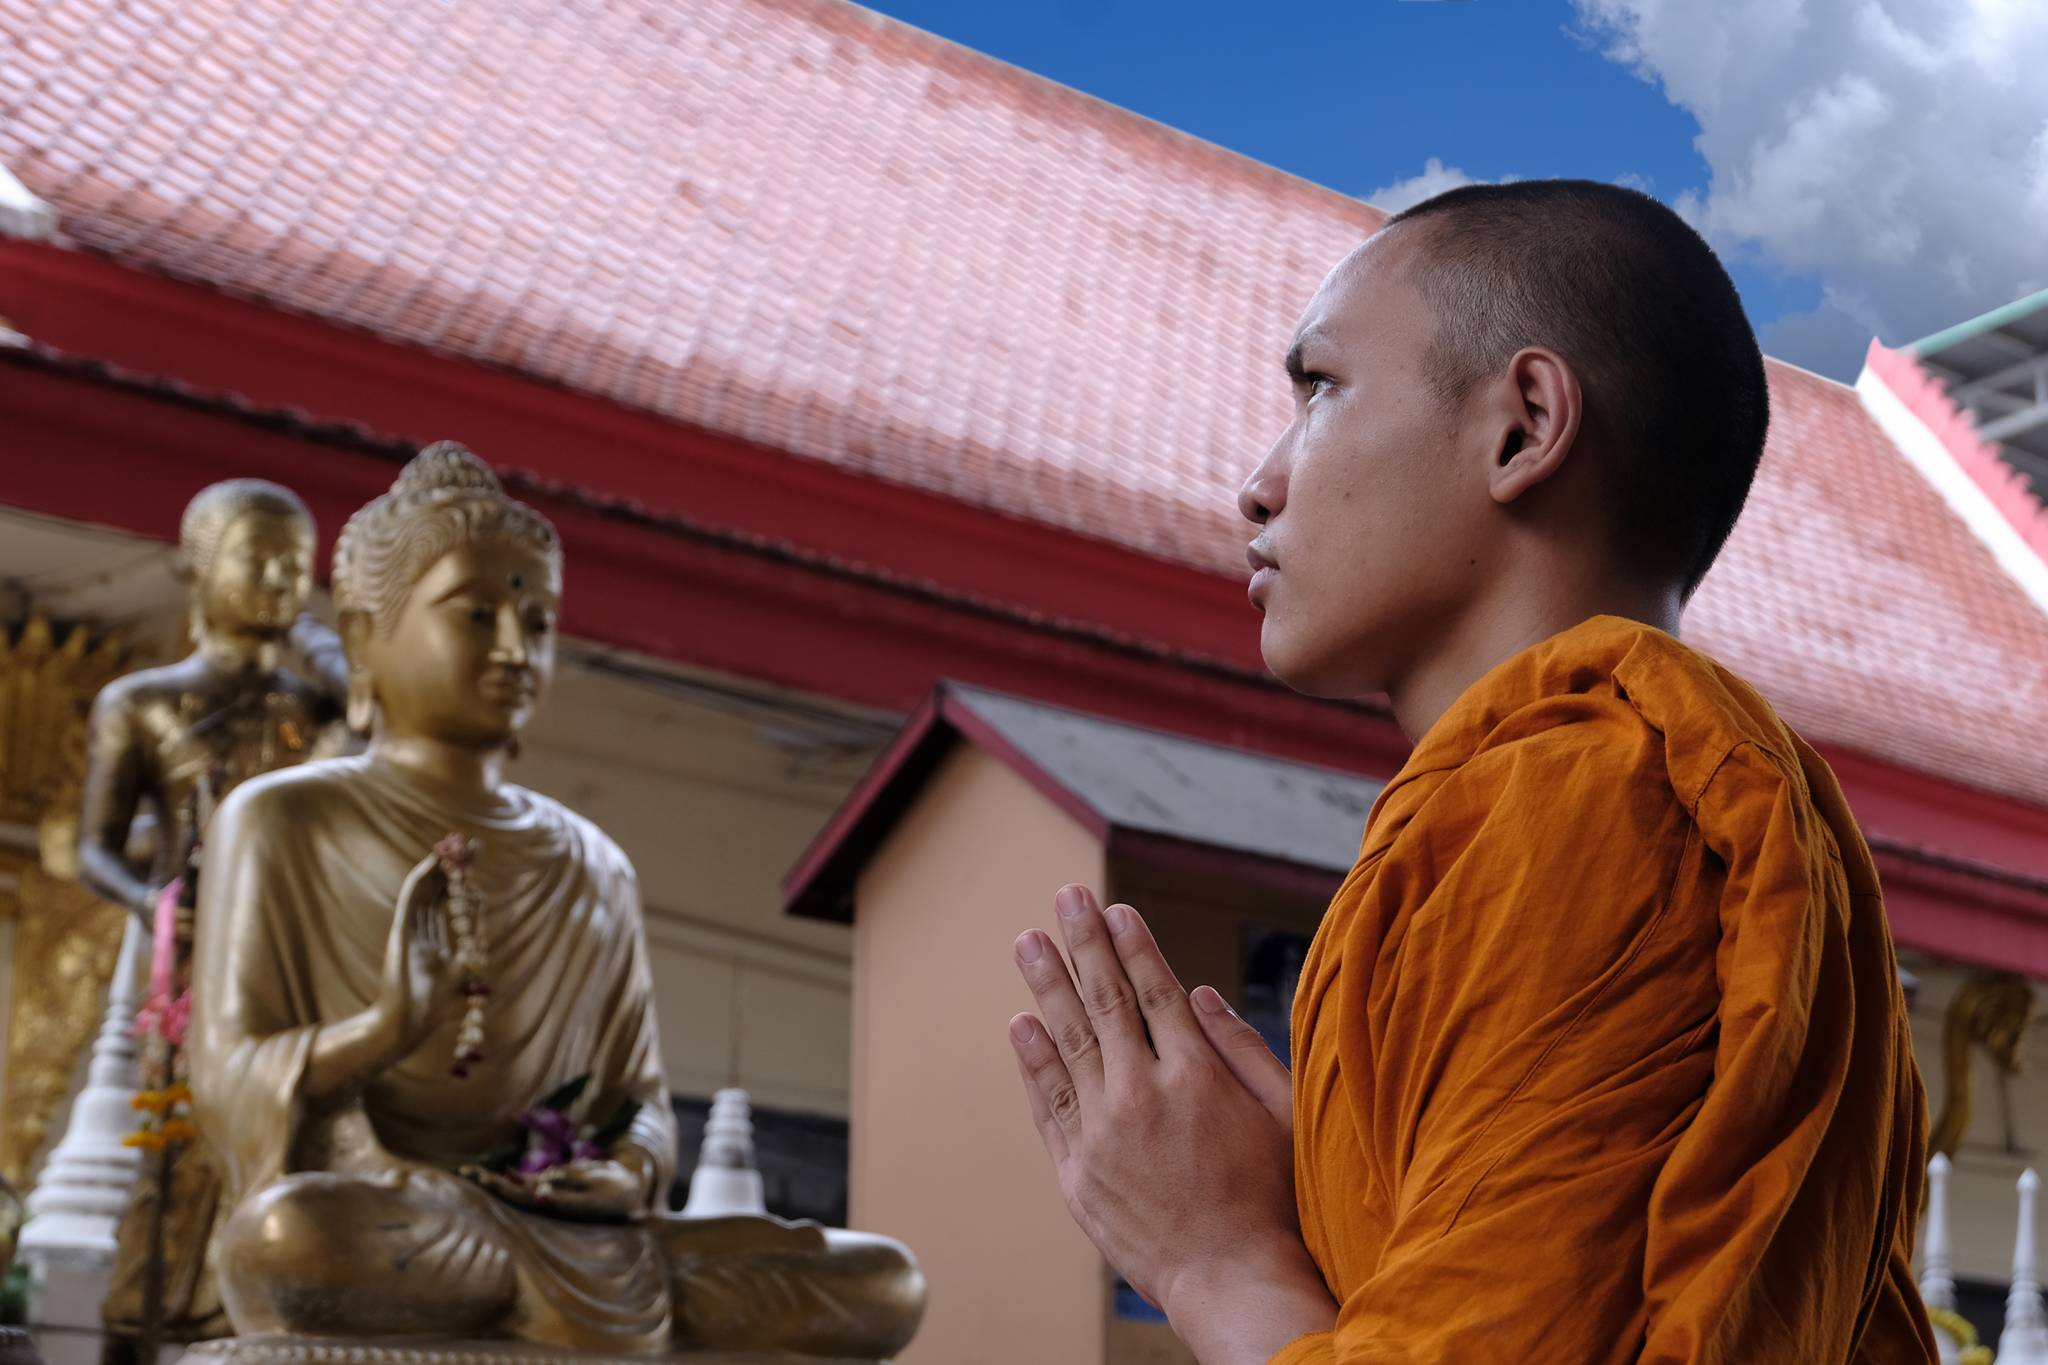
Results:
377 1013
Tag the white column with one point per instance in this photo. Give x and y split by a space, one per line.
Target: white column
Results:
85 1184
726 1181
2025 1338
1937 1281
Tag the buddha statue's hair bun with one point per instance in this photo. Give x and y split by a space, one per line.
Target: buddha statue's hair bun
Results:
445 465
443 497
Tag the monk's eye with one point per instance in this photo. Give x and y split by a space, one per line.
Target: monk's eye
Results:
480 614
540 622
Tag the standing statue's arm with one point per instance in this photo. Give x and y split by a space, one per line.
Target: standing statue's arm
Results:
113 794
321 653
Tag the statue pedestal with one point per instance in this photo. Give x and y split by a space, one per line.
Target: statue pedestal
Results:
370 1351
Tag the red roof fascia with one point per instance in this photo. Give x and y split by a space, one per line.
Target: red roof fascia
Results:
90 306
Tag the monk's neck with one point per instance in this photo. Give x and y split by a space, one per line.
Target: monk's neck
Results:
1490 634
459 773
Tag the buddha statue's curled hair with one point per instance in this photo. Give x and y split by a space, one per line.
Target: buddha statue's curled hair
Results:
219 505
444 497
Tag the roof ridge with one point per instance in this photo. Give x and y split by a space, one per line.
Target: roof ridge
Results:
1050 88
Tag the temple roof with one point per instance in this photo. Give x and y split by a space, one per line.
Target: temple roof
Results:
812 228
1112 777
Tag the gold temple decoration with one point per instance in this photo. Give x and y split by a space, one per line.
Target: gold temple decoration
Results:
1991 1011
46 689
65 938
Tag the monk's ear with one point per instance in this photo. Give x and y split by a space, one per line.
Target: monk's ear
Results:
1542 405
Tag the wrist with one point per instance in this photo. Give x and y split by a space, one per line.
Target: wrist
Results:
385 1033
1249 1305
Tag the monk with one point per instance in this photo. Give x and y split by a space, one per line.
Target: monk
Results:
1601 1054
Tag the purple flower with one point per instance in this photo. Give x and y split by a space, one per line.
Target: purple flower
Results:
550 1136
549 1125
586 1150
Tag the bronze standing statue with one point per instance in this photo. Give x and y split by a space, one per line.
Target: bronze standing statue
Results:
425 1041
167 742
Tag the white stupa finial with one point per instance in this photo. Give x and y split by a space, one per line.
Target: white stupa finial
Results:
1937 1281
2025 1338
726 1181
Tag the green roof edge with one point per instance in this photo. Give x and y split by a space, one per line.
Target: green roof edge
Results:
1963 331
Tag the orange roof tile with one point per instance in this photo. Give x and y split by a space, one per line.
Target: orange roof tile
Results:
807 226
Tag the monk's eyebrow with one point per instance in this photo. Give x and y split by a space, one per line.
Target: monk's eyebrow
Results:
1297 368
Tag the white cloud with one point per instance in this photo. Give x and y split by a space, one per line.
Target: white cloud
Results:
1896 148
1434 180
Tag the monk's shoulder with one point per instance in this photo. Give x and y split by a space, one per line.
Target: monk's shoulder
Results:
1569 754
1706 714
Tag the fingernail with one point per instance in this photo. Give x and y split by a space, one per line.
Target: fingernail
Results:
1120 918
1021 1028
1069 902
1209 1002
1029 949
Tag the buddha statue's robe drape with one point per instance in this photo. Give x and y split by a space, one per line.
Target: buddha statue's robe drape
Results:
302 874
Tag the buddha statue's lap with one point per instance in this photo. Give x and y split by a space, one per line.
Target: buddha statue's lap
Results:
381 1016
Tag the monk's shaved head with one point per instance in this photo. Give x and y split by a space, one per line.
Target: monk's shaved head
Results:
1640 307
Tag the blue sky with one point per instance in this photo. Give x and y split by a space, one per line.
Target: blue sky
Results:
1360 95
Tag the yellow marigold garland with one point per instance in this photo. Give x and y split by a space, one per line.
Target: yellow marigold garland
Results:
1965 1334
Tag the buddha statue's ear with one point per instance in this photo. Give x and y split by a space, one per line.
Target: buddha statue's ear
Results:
360 712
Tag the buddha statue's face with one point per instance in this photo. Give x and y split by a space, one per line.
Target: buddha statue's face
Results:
473 649
259 575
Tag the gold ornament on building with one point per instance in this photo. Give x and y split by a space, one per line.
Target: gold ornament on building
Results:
1990 1011
65 938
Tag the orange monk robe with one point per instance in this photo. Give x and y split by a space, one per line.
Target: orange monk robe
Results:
1601 1052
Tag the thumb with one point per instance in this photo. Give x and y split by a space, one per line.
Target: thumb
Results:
1246 1054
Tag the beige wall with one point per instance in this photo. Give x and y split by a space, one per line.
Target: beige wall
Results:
713 799
944 1154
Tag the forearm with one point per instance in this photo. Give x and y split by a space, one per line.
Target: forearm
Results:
108 876
1244 1310
348 1051
320 651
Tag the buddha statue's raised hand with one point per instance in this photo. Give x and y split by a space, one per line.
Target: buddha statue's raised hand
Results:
420 990
417 992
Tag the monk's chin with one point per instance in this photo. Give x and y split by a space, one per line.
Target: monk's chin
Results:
1312 674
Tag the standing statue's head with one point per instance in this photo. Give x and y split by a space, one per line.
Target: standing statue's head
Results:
448 591
246 551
